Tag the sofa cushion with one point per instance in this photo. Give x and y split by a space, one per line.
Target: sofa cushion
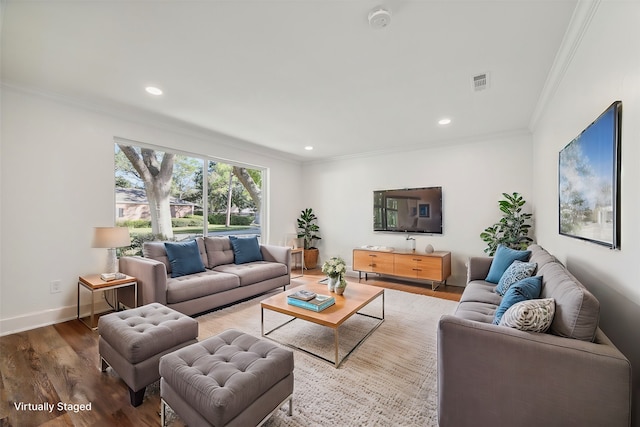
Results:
502 260
477 311
254 272
246 249
219 251
480 291
184 258
525 289
533 315
576 310
198 285
517 271
157 251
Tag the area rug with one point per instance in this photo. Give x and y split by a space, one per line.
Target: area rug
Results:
390 380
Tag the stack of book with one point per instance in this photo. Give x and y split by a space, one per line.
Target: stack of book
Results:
310 300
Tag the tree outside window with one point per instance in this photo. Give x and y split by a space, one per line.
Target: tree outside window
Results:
161 195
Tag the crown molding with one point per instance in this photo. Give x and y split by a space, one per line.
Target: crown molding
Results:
473 139
578 26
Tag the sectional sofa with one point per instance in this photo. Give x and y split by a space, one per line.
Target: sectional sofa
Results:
496 375
210 272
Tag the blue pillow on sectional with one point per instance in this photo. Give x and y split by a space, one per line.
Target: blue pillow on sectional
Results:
246 249
502 260
184 258
523 290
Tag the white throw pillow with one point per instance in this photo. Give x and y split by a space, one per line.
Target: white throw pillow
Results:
533 315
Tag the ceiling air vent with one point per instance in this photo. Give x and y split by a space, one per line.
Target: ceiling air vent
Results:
480 82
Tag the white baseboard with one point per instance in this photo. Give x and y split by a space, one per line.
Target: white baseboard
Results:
39 319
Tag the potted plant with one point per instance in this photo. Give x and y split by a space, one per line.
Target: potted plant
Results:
335 268
308 230
513 228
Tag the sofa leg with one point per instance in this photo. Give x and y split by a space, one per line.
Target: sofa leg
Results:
136 397
163 412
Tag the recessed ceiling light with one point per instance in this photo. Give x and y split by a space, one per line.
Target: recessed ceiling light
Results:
444 121
308 148
153 90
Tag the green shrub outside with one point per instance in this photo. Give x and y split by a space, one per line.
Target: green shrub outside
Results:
221 219
134 223
188 221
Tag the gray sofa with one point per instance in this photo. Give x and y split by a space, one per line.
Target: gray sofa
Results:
491 375
222 282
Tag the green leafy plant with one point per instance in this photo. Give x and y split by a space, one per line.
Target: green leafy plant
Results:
512 230
307 228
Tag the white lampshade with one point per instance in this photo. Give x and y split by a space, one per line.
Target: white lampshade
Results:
111 237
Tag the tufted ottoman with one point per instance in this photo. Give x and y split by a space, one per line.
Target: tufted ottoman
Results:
132 342
231 379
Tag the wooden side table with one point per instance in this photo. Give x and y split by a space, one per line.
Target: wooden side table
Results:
299 251
93 283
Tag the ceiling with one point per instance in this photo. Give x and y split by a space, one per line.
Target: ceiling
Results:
292 73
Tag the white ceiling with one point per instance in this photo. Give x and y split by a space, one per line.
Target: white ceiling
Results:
286 74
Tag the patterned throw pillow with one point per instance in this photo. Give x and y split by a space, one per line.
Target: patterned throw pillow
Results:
533 315
517 271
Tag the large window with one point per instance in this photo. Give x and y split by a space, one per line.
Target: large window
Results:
165 195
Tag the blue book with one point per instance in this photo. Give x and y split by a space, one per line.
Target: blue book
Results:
319 303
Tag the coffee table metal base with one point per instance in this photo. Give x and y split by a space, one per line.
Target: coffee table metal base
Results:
336 337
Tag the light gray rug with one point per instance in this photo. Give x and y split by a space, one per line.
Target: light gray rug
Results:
390 380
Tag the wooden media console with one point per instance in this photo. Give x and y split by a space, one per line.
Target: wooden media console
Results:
434 267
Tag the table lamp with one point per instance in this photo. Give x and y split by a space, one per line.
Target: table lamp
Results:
111 238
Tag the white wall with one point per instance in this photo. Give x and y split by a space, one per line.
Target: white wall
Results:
57 184
605 68
473 176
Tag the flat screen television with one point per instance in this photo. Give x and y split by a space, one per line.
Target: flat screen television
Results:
408 210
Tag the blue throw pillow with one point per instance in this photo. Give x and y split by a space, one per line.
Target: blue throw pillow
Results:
246 249
523 290
184 258
502 260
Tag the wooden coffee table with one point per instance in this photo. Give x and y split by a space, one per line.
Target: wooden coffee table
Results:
355 297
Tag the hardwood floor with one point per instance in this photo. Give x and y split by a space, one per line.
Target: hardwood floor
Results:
58 365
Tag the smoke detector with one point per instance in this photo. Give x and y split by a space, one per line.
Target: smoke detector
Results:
379 18
480 82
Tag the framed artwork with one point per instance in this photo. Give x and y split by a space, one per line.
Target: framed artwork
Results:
424 210
589 182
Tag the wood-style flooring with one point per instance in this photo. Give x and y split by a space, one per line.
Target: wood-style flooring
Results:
58 365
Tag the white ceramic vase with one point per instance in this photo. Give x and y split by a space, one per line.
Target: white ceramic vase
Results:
340 286
332 282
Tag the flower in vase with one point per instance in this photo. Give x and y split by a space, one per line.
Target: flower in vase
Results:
334 267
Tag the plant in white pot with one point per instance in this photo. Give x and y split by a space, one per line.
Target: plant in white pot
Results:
340 286
309 231
334 268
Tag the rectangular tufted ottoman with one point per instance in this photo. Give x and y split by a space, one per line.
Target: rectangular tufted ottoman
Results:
231 379
132 342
